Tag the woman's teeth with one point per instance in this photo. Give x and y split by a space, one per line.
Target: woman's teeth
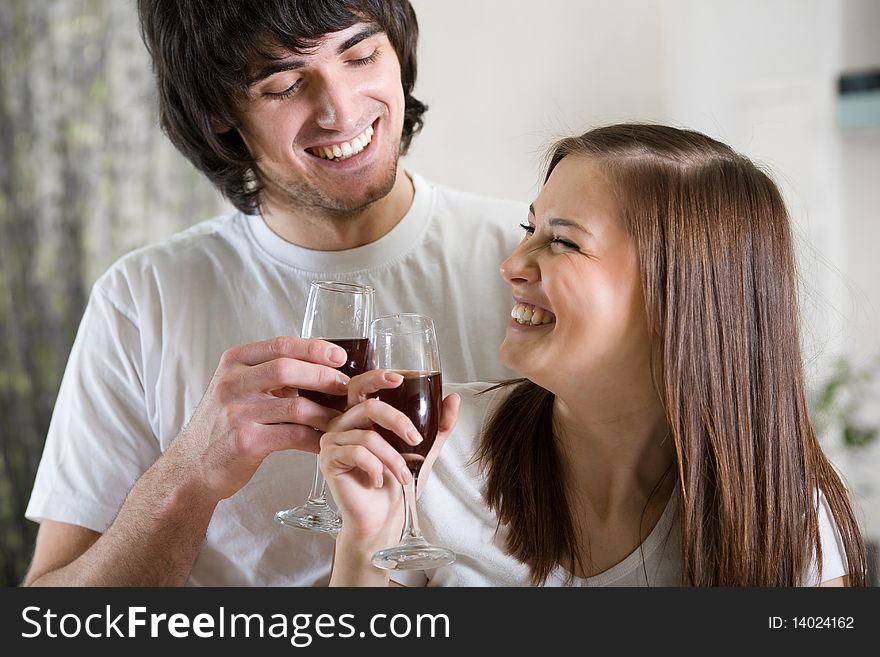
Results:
346 149
525 313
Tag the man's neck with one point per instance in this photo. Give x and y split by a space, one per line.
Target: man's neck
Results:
320 231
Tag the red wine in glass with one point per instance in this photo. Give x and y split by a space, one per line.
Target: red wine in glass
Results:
356 349
418 397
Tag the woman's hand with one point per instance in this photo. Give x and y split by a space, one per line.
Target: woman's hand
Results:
365 473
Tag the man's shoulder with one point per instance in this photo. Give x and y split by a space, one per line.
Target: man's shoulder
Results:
204 237
475 222
209 243
464 202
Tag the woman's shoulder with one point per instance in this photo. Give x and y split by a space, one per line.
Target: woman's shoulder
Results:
478 399
833 552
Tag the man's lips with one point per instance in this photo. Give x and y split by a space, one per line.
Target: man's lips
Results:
340 151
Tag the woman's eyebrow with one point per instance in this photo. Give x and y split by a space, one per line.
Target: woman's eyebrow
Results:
564 223
568 223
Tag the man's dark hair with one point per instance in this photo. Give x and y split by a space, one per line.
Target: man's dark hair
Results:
205 56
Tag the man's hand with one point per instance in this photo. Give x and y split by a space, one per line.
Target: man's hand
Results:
252 408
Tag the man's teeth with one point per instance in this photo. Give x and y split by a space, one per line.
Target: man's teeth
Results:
346 149
527 314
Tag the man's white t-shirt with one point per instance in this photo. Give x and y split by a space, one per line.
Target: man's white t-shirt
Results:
159 319
453 513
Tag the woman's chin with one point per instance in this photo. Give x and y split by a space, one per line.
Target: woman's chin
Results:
507 357
513 359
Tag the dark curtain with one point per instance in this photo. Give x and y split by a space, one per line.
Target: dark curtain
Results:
85 175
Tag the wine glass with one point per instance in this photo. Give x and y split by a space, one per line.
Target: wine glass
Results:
339 313
407 344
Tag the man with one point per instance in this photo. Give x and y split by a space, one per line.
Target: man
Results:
163 467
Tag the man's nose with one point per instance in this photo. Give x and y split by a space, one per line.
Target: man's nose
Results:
336 106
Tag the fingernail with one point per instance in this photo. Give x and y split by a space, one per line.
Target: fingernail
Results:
378 482
342 380
393 377
415 436
405 475
336 354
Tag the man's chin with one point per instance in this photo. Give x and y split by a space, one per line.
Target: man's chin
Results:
351 208
353 205
345 203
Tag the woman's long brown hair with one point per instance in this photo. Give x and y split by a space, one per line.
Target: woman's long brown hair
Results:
719 282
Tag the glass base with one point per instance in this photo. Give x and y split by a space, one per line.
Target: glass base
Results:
311 516
415 554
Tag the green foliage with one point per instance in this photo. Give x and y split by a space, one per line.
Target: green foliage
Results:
838 403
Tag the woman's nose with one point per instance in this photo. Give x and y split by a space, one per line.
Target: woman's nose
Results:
519 267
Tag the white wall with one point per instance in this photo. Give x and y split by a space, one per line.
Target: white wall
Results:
859 48
760 76
503 79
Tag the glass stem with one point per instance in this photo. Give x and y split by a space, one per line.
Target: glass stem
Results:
316 496
411 529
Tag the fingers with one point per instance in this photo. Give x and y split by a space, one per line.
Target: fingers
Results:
365 450
290 373
374 412
362 386
316 351
353 444
298 410
274 437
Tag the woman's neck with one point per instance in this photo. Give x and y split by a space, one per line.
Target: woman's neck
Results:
616 450
618 464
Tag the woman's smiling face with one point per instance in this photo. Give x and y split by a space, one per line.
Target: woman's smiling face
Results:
579 313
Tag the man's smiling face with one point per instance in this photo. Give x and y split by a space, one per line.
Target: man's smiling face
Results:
325 127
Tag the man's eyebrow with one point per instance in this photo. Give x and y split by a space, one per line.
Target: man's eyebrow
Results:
368 31
559 221
280 66
276 67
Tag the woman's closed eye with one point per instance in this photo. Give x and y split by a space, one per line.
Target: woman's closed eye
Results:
559 241
565 243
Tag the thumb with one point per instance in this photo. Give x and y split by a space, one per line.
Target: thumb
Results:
448 418
449 414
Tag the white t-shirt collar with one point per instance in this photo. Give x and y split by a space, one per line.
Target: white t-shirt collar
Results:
400 239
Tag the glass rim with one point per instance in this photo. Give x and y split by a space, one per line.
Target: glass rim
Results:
343 286
427 323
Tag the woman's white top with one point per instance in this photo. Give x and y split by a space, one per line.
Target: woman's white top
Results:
453 513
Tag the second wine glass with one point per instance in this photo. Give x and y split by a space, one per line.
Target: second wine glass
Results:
407 344
339 313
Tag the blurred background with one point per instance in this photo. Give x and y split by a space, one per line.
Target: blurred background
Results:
86 175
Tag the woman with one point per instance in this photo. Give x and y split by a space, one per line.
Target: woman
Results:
660 434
